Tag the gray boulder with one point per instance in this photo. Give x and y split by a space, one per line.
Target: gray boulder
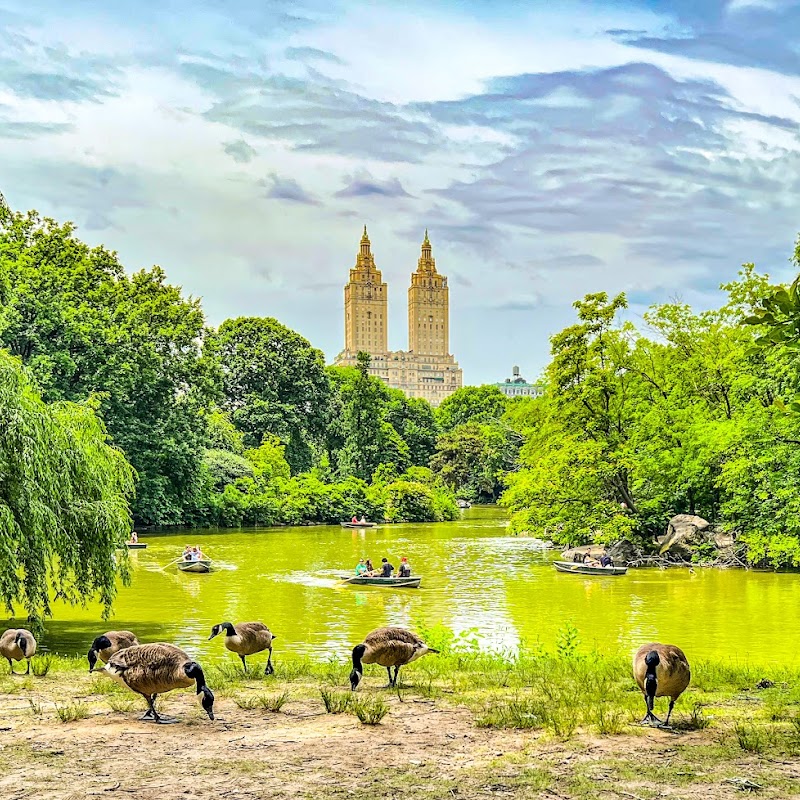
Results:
684 531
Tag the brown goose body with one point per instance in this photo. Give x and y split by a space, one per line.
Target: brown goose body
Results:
389 647
247 639
661 670
108 643
16 644
153 669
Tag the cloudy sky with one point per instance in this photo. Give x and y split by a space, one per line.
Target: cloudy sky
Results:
552 149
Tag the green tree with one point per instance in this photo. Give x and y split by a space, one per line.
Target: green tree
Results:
64 494
471 404
84 329
364 431
274 383
472 459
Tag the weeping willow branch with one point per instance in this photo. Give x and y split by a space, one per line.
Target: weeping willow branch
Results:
64 494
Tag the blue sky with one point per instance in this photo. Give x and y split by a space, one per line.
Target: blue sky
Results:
552 149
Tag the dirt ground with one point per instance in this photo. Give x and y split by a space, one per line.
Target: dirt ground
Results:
422 748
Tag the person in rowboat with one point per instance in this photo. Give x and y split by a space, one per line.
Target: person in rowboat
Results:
370 569
354 520
361 568
386 568
606 560
404 571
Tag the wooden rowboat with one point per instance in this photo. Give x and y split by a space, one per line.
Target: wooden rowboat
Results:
403 583
204 565
585 569
359 524
135 545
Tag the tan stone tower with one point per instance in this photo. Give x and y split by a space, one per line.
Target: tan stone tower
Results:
428 307
426 370
365 305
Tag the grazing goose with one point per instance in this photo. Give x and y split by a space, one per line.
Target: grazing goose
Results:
661 670
17 643
103 647
389 647
247 639
152 669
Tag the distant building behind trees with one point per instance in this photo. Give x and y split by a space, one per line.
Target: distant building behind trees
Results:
517 386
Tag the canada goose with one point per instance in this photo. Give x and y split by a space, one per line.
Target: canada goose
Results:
247 639
661 670
152 669
17 643
389 647
103 647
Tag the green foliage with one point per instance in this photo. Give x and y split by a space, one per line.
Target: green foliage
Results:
274 382
633 430
64 494
471 404
473 458
84 328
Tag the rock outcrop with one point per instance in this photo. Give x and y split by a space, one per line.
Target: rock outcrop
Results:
684 531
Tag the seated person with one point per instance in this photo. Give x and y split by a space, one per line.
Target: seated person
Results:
354 520
134 537
187 553
362 520
606 560
370 568
405 568
386 568
361 567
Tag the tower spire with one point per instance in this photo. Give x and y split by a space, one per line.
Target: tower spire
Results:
426 262
365 249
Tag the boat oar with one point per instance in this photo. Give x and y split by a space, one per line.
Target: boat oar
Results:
174 561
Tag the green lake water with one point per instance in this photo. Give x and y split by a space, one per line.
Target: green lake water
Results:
474 576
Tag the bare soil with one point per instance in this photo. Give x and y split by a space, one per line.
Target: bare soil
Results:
421 749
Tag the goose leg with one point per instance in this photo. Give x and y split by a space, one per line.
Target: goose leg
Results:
270 670
11 667
28 671
148 715
391 683
154 715
650 717
669 713
244 663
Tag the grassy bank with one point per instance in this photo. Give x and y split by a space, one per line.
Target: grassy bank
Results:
559 722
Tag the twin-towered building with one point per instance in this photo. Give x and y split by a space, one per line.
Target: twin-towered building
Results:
426 369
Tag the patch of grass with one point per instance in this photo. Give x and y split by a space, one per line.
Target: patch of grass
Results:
35 707
610 721
336 701
274 702
70 712
369 710
121 704
696 721
269 702
40 666
749 737
518 713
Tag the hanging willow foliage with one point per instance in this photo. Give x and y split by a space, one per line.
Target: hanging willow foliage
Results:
64 494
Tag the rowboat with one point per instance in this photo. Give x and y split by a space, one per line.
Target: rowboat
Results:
361 580
135 545
359 524
585 569
203 565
